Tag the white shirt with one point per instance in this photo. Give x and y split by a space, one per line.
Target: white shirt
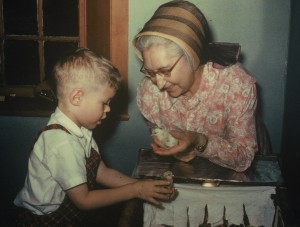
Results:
56 164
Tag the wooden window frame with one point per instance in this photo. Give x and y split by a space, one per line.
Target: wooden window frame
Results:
107 35
111 41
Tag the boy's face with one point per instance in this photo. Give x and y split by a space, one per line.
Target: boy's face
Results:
94 106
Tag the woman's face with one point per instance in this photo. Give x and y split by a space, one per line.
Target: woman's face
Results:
157 59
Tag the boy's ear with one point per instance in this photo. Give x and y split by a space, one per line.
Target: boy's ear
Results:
76 96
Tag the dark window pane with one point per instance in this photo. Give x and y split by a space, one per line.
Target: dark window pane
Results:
1 65
20 17
61 18
53 52
21 62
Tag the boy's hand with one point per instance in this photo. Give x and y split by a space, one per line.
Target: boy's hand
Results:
154 191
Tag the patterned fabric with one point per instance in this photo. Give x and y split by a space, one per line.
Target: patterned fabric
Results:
184 24
92 164
222 108
67 214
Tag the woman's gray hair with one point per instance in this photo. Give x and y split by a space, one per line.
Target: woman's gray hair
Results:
146 41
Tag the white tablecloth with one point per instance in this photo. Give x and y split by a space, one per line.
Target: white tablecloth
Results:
191 201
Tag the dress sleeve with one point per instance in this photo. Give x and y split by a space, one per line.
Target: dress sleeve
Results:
147 102
236 148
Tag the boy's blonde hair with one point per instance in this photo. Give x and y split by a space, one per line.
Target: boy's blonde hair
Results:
84 69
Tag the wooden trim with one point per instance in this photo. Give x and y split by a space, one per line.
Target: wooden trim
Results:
98 29
119 45
41 42
82 23
119 35
107 35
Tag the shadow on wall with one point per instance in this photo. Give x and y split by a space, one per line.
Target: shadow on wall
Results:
291 125
16 138
262 134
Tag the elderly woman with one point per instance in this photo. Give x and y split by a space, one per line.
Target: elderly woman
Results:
195 89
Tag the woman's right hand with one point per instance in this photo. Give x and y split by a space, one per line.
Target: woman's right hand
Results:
154 191
184 150
186 139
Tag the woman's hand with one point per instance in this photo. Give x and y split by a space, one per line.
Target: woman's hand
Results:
184 150
154 191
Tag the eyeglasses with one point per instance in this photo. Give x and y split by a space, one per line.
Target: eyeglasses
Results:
162 73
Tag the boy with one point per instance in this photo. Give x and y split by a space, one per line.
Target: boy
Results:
65 164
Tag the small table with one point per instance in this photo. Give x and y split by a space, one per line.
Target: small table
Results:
236 192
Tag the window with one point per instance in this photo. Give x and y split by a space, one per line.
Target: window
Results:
35 33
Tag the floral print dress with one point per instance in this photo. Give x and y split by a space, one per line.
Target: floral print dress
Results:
223 108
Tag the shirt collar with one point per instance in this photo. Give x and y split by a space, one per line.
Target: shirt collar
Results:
58 117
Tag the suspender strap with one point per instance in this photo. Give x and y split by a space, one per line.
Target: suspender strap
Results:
50 127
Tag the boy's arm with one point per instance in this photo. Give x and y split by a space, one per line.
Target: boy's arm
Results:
111 177
86 200
153 191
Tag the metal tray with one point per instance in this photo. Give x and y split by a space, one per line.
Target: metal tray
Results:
264 171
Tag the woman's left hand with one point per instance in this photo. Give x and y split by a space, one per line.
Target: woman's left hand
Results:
184 150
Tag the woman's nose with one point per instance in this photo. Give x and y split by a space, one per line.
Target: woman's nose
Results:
160 82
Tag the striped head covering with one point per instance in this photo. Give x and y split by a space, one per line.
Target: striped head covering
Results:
183 23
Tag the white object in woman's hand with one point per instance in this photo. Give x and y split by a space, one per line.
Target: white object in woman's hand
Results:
164 137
